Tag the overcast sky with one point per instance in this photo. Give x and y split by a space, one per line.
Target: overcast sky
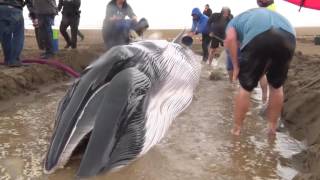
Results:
176 14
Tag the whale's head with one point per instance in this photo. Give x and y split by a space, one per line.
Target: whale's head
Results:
118 102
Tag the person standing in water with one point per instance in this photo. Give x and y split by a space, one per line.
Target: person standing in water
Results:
269 4
199 26
267 45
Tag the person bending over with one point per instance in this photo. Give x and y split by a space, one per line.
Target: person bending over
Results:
267 44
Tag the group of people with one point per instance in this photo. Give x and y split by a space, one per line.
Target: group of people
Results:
260 43
212 28
42 14
117 29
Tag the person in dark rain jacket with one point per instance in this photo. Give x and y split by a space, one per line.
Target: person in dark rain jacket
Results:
70 17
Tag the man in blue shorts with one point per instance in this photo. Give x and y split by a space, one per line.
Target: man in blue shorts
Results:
267 44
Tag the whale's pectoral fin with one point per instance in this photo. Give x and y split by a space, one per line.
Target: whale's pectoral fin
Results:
63 143
118 133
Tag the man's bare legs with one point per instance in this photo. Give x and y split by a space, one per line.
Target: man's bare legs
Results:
230 73
264 87
212 53
274 108
242 102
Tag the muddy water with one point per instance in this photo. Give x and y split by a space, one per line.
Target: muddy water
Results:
198 145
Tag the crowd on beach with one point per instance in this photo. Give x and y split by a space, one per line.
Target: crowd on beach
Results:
42 14
260 43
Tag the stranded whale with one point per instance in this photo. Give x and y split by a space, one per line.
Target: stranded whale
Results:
124 103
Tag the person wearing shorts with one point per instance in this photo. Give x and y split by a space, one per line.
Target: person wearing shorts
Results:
269 4
267 44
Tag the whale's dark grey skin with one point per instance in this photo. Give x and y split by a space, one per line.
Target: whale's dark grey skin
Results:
124 102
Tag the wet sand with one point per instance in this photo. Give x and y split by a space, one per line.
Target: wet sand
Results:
197 146
301 112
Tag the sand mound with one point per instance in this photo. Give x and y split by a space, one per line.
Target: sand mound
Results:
301 112
14 81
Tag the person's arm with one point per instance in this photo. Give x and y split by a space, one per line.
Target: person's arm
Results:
231 43
193 28
111 13
209 12
210 20
60 5
209 24
77 4
30 7
131 14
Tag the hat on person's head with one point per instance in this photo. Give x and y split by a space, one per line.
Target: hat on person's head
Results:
196 12
264 3
225 8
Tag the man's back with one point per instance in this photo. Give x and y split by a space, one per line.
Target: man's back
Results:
45 7
256 21
70 7
217 23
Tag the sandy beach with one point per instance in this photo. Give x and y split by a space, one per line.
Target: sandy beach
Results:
196 147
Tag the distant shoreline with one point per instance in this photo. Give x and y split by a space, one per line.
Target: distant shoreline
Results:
301 31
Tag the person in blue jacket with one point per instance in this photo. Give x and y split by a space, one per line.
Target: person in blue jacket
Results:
199 25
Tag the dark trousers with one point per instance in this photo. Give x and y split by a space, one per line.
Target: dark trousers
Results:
45 32
80 35
38 38
205 44
11 33
73 22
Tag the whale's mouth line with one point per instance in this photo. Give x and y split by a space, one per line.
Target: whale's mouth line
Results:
77 152
61 160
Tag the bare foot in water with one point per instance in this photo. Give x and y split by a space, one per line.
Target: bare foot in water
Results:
235 131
